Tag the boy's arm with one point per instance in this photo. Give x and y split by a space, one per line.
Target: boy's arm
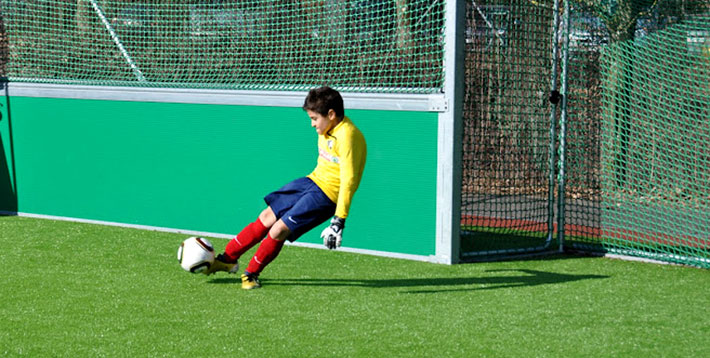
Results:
353 153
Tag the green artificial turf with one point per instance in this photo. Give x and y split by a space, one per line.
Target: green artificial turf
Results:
81 290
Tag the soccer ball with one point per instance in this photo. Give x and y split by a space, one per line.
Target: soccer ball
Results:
195 254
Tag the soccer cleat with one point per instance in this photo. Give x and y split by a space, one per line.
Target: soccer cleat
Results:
250 281
222 263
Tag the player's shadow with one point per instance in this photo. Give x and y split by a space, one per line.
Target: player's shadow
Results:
525 278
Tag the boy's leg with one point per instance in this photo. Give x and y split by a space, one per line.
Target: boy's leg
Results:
250 235
301 206
267 252
245 240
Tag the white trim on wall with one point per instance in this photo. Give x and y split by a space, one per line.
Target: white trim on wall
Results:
377 101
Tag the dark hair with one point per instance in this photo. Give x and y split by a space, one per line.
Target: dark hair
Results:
323 99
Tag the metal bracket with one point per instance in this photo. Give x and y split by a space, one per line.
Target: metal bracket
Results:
438 104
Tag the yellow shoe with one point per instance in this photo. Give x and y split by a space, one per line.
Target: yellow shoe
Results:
250 282
221 263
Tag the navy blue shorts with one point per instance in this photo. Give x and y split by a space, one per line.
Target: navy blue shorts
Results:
302 205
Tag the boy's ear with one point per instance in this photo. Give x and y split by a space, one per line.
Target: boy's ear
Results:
331 114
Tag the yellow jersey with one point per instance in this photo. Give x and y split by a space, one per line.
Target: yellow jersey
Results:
341 161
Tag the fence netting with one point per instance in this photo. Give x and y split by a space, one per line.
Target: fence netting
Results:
506 143
656 144
639 130
359 45
633 154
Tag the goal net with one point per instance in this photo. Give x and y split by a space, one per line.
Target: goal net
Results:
359 45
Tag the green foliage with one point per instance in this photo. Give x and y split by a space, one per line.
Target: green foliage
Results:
79 290
621 16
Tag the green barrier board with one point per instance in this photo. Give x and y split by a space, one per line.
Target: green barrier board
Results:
206 167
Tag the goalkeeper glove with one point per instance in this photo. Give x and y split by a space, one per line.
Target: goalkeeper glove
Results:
333 235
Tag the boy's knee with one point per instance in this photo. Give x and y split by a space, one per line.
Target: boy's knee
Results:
267 217
279 231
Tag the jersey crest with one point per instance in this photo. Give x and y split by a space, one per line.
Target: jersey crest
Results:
327 156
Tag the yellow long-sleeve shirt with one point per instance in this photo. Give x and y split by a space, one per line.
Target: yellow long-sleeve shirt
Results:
341 161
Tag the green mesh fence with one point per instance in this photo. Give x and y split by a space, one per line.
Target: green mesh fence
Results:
634 151
638 165
656 148
506 143
356 45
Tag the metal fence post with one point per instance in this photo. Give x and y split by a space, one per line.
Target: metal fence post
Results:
563 130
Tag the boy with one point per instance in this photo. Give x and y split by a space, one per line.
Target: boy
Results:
306 202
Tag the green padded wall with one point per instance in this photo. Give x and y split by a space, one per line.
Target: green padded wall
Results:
207 167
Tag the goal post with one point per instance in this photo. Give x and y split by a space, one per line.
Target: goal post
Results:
449 172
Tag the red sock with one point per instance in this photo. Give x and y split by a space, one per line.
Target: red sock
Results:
267 252
246 239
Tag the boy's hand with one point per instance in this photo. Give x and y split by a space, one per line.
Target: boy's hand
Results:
333 235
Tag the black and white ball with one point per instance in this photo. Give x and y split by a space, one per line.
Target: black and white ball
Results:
195 254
